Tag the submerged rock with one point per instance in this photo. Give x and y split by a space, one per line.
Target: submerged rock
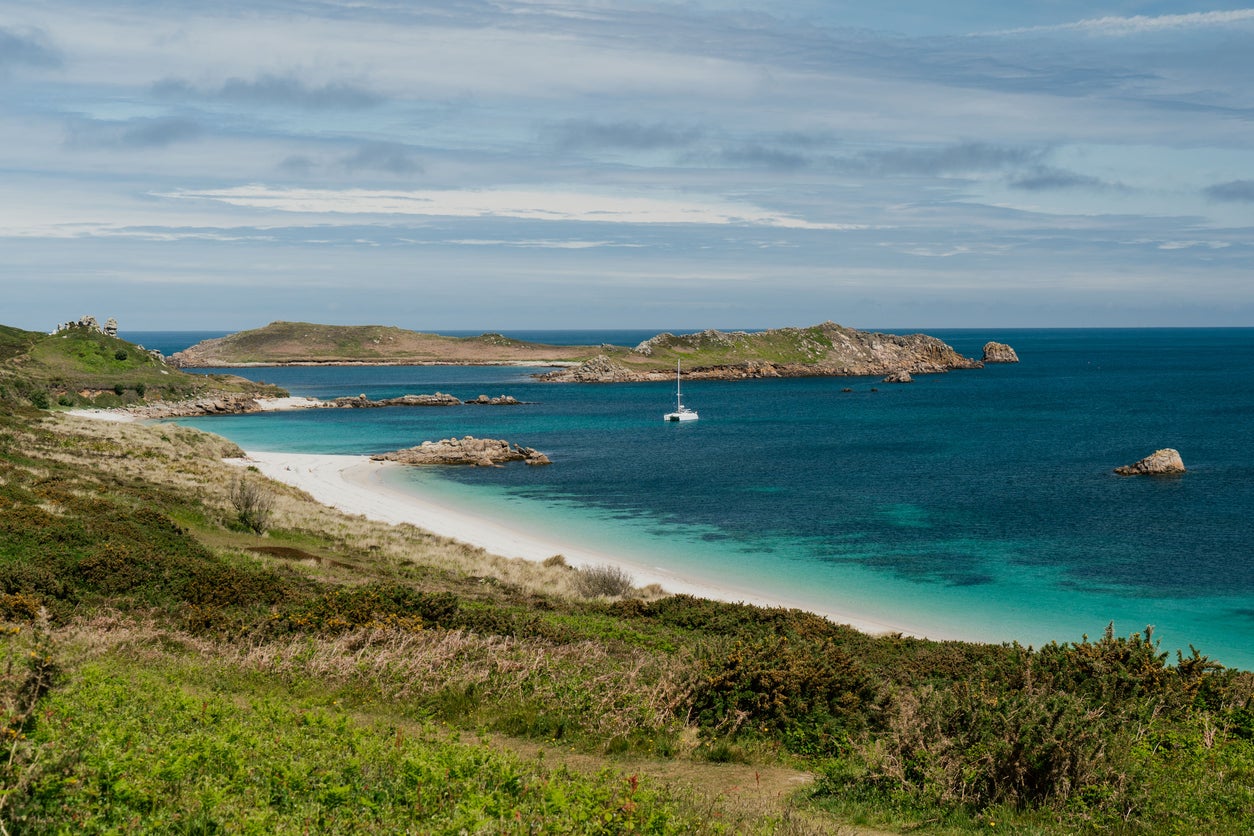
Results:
1160 462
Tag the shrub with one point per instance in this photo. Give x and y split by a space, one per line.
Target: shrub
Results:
120 354
254 505
606 580
118 389
39 399
140 389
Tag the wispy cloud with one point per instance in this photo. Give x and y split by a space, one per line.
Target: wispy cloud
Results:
272 91
137 133
31 48
1138 24
513 203
960 158
588 134
1235 191
1047 178
389 157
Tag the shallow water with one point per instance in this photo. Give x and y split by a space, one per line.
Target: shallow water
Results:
975 504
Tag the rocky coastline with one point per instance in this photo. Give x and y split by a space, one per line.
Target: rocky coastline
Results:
477 452
242 404
826 350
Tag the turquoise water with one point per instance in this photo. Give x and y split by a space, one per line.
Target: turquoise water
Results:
976 504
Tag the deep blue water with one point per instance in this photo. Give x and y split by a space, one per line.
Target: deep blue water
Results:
974 504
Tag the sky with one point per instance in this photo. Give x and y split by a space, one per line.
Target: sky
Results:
523 164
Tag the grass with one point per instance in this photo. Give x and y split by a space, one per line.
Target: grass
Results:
79 367
333 674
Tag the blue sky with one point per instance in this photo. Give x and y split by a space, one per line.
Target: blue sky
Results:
508 165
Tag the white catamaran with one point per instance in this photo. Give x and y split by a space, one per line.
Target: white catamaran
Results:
681 413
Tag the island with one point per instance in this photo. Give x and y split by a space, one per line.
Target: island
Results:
824 350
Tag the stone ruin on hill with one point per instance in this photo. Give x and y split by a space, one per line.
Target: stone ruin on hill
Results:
89 323
110 329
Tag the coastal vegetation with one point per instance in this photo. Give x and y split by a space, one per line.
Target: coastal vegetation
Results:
173 668
84 367
311 343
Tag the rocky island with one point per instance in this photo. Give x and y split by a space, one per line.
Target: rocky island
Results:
824 350
1163 462
479 452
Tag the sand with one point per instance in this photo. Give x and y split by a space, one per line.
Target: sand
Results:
354 485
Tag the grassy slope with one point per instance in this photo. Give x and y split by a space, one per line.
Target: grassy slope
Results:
354 677
80 367
290 342
707 348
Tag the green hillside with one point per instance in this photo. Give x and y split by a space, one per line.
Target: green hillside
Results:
307 342
82 367
177 666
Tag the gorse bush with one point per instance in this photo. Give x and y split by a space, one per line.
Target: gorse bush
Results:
254 504
608 581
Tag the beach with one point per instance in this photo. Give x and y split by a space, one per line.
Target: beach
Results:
355 485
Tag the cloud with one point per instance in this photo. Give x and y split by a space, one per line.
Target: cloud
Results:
1235 191
30 48
1139 24
390 157
506 203
1047 178
140 132
960 158
765 156
586 134
273 91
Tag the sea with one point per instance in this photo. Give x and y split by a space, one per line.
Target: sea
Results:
977 504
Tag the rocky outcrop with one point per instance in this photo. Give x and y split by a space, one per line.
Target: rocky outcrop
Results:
499 400
599 369
1159 463
480 452
899 377
999 353
214 405
362 402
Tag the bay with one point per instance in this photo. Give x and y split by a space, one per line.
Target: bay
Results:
976 504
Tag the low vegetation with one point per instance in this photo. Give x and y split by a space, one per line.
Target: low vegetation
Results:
174 669
82 367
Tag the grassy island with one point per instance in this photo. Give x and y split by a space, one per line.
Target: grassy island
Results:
193 648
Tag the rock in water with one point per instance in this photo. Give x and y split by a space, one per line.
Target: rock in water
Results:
1157 463
899 377
481 452
999 353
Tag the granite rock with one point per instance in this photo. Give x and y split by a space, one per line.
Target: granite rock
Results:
1160 462
999 353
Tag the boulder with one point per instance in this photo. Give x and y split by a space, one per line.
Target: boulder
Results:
899 377
1160 462
999 353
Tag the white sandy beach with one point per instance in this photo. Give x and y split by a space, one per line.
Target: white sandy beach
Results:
353 484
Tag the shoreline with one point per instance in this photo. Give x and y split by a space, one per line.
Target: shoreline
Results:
355 485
